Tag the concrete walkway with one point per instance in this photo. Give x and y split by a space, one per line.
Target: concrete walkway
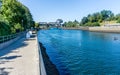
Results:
20 58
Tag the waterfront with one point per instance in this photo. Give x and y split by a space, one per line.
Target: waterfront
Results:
76 52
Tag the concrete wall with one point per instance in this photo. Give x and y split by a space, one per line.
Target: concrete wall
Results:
105 29
76 28
97 29
41 63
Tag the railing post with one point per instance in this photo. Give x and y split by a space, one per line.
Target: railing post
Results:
3 39
7 37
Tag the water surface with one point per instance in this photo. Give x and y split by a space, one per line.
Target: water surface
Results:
76 52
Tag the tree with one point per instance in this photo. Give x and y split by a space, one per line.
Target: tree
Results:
118 18
106 14
17 15
74 23
84 20
59 21
18 27
4 26
96 18
37 25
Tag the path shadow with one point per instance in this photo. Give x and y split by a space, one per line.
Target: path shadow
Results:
33 36
3 72
14 47
5 58
4 61
30 39
10 57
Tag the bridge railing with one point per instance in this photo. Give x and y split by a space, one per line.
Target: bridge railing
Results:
8 37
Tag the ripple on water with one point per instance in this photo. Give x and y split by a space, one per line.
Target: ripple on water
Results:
76 52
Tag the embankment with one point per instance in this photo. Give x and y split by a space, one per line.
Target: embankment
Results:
49 66
76 28
105 29
96 29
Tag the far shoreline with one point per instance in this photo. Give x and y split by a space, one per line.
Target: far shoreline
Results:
91 29
95 29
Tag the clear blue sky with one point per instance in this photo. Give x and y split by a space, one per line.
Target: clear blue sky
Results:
50 10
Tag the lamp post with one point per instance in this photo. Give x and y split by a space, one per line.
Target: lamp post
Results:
22 23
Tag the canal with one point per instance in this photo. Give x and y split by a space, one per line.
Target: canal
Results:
77 52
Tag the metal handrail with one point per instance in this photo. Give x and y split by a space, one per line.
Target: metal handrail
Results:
8 37
41 62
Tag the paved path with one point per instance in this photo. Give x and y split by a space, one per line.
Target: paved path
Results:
20 58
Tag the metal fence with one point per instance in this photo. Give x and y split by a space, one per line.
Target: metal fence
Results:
8 37
41 62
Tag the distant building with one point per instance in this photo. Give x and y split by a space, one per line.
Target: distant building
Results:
43 23
52 23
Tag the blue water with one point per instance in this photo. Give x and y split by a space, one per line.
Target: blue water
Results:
76 52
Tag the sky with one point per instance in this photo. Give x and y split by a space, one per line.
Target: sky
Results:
68 10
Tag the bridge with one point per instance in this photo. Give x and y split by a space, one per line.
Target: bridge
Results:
57 23
50 24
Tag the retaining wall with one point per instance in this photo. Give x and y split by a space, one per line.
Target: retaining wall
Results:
96 29
105 29
41 63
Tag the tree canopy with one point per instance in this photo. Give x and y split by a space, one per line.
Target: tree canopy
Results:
17 16
95 19
74 23
59 20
